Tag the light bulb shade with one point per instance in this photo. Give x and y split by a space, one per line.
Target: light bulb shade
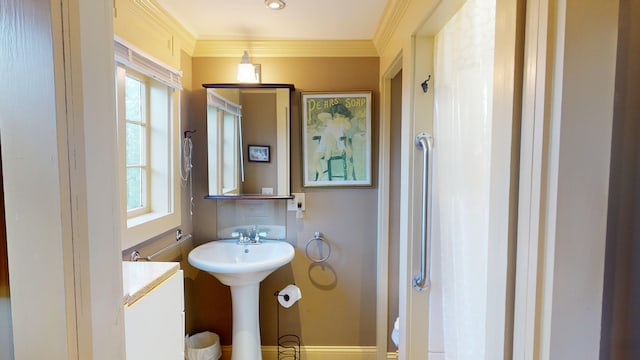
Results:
247 73
246 70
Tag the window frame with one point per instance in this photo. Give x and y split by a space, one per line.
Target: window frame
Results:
163 212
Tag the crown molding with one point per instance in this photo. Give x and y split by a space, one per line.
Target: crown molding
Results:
286 48
389 22
155 12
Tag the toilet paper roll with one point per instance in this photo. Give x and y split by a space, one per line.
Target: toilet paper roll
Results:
289 295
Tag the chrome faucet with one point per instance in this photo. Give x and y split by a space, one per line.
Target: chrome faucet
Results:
254 234
249 237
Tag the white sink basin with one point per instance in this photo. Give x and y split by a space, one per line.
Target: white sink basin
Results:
242 268
234 264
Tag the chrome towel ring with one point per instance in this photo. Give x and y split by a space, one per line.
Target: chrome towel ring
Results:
319 241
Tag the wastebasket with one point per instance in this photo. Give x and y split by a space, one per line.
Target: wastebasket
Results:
202 346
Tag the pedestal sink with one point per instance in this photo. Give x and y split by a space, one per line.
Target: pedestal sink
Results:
242 267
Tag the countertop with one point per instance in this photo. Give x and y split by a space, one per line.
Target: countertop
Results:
139 277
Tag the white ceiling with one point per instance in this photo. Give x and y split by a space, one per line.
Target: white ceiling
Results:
299 20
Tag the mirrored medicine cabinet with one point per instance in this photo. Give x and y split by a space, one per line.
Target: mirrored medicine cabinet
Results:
248 141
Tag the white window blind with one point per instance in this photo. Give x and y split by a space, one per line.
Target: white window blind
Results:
134 59
221 103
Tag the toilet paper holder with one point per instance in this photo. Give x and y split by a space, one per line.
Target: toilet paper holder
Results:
289 295
288 344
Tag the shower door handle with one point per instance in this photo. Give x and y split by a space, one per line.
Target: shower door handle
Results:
422 281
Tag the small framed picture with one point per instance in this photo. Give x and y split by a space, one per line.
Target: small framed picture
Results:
259 153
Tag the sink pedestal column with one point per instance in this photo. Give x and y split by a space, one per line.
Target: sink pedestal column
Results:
245 343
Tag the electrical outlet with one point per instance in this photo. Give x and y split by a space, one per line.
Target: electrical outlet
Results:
300 201
297 203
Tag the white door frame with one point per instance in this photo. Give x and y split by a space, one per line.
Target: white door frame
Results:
58 160
565 153
501 230
383 330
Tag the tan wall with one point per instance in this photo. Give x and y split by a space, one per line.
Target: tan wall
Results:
338 304
259 128
185 124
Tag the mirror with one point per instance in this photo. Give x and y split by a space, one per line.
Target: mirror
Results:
248 129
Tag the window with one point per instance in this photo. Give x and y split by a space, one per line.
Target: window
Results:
230 155
148 137
136 140
223 134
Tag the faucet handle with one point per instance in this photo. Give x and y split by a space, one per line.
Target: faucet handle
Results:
241 236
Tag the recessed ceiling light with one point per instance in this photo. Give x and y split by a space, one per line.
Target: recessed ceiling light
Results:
274 4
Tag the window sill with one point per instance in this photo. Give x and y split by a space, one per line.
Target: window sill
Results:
148 226
142 219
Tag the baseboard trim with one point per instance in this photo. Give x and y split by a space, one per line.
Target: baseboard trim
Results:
320 353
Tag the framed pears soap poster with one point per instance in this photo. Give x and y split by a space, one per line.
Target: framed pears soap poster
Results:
336 138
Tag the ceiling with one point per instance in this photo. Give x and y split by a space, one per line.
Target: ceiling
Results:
299 20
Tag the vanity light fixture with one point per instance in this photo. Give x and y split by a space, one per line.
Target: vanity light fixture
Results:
274 4
247 72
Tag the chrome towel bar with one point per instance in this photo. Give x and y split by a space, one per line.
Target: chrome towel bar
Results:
135 255
422 281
